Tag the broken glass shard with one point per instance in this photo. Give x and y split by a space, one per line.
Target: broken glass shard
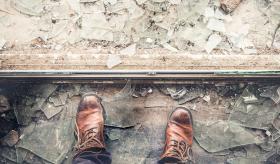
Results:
32 101
216 25
253 113
272 92
2 43
113 60
49 140
212 43
177 94
95 26
29 7
51 110
221 135
191 94
122 109
130 50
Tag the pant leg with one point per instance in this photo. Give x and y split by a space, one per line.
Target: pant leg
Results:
169 160
93 157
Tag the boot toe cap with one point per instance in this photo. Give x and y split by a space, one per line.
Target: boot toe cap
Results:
181 116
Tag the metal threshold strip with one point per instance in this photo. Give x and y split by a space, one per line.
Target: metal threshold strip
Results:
137 74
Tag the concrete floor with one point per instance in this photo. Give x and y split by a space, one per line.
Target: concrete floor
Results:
135 127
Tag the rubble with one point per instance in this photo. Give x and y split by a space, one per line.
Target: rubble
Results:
113 60
169 47
272 92
143 92
176 25
216 25
130 50
193 93
29 7
2 43
183 94
229 5
40 140
212 43
32 101
252 111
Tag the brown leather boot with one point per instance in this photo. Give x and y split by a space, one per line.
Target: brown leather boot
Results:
90 123
179 138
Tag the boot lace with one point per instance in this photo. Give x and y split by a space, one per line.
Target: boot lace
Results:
87 139
182 151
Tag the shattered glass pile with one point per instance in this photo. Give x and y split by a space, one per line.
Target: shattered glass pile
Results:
234 123
176 25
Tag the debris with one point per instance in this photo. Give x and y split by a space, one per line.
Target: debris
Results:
216 25
207 98
49 140
143 92
250 99
130 50
113 60
51 110
175 2
273 132
272 92
213 41
183 95
248 47
219 15
191 94
149 40
209 12
229 6
273 36
268 133
58 98
114 134
4 104
32 101
95 26
259 114
29 7
75 5
267 146
169 47
221 135
2 43
177 94
140 2
10 139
